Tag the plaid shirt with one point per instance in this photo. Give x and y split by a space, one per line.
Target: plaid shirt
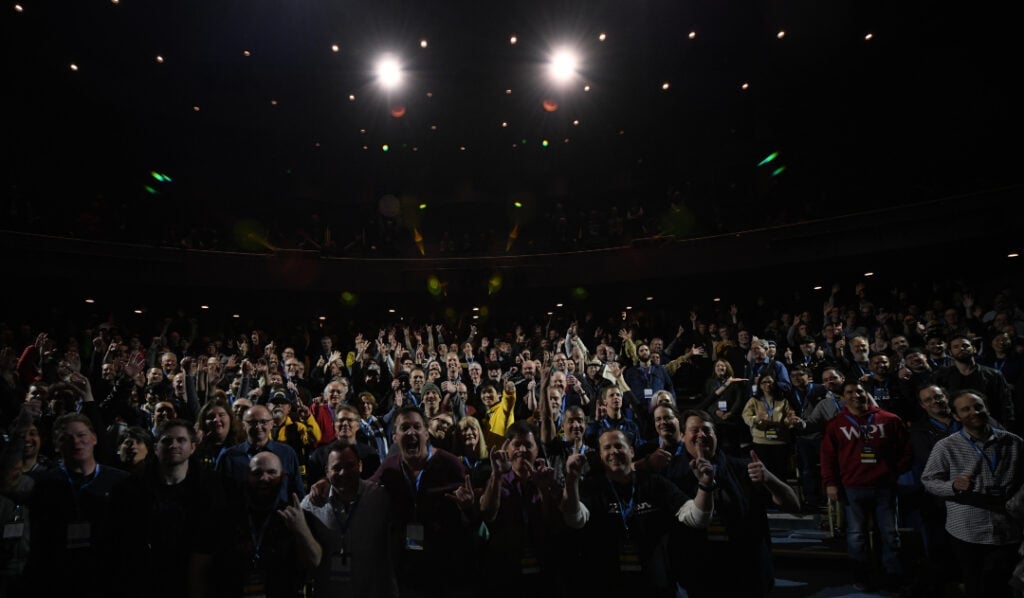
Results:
995 465
375 434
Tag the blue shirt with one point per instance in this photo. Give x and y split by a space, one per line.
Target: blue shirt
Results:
233 465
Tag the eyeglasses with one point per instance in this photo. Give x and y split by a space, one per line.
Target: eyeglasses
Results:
258 422
347 420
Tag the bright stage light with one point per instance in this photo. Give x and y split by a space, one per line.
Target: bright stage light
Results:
563 66
389 72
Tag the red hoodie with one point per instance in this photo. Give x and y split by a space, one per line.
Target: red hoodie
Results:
846 463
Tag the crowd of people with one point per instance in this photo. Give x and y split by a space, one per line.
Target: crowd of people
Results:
595 457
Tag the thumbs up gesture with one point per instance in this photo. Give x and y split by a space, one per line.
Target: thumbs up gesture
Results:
755 469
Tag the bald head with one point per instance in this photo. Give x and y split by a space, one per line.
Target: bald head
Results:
265 474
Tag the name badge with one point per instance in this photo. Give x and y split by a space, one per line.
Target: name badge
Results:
414 536
341 567
79 535
990 490
14 530
255 584
528 562
723 406
868 456
629 557
717 533
771 434
648 393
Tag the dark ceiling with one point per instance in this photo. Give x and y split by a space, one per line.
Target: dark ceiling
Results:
922 109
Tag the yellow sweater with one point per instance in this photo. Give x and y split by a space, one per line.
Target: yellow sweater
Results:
498 419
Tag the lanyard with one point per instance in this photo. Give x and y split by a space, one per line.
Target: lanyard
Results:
344 516
769 406
836 402
799 399
625 510
864 428
679 447
77 492
257 540
993 461
419 477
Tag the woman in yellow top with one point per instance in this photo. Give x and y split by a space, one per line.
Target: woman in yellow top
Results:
768 415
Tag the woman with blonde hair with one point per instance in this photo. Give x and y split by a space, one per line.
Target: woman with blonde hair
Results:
725 396
471 447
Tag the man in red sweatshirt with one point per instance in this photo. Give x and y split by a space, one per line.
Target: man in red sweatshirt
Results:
863 451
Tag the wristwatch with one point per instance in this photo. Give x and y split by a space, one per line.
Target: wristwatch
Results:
711 488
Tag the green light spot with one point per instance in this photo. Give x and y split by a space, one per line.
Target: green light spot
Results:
770 157
544 143
151 190
385 148
778 171
518 204
423 206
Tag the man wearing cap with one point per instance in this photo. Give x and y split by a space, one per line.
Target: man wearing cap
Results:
301 435
810 357
592 381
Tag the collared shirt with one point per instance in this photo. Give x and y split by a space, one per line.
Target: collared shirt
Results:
233 464
957 455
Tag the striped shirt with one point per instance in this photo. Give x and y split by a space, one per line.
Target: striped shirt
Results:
995 466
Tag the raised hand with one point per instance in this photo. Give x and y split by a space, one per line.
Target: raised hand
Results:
574 468
292 515
544 476
501 462
659 460
320 492
703 471
755 469
135 365
463 496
